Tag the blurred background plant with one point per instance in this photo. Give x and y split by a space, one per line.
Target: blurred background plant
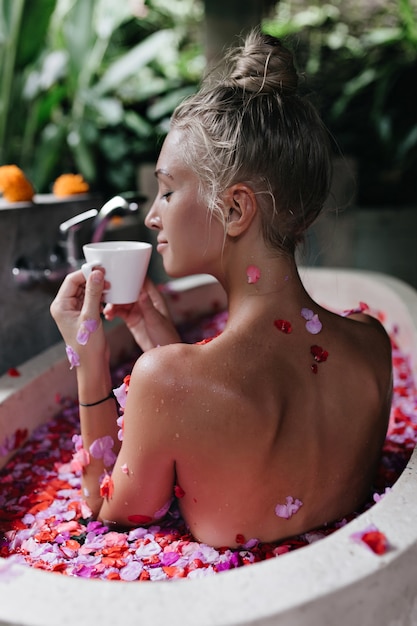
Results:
361 60
89 85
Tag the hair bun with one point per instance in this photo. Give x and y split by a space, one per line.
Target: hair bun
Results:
263 64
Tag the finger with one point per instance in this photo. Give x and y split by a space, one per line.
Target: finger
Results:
159 328
156 297
117 310
71 283
149 309
93 294
109 312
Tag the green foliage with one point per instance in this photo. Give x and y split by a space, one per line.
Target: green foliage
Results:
89 86
361 58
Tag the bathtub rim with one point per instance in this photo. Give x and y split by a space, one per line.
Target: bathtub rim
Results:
248 595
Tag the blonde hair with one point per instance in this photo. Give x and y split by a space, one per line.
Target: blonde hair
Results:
250 125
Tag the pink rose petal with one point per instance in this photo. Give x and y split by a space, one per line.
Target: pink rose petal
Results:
91 325
307 313
77 441
80 460
121 394
289 509
101 448
85 330
314 325
163 510
120 423
253 274
73 358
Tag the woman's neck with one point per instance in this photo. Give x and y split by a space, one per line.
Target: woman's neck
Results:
256 285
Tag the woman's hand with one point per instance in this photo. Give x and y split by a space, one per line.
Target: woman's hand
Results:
76 310
148 319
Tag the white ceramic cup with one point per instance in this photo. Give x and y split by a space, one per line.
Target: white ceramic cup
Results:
125 264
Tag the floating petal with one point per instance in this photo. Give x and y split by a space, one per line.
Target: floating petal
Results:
106 487
179 491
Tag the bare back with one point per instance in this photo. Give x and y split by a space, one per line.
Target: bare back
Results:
254 418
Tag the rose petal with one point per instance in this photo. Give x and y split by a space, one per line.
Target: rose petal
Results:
120 422
101 448
139 519
319 354
121 394
373 538
13 372
82 336
80 460
253 274
163 510
131 571
306 313
91 325
283 325
314 325
86 328
179 491
106 487
289 509
73 358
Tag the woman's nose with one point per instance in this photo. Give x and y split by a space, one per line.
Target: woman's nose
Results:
152 220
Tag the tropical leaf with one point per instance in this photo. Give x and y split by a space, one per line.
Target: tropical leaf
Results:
31 41
132 61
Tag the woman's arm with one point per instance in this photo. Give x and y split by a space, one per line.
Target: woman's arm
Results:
76 310
142 482
139 487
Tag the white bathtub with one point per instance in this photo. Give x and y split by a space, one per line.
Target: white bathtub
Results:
333 581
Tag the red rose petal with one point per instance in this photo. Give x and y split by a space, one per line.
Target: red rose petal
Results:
13 372
179 491
283 325
319 354
139 519
376 540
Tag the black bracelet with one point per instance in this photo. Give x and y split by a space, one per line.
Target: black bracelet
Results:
111 395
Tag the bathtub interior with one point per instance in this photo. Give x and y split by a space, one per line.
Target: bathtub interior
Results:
246 595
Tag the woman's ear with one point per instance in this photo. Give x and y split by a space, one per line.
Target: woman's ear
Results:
240 207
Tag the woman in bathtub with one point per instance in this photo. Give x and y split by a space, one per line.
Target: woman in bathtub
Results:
274 427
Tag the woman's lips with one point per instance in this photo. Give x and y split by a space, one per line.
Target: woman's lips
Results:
161 246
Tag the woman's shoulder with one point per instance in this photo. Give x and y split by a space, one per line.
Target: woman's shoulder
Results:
372 331
372 344
169 367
